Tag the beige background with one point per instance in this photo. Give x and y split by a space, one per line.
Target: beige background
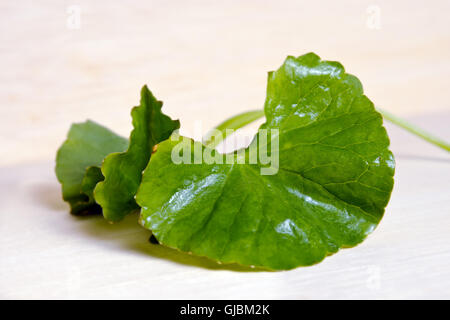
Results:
208 60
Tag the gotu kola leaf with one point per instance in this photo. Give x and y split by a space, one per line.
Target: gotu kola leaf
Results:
91 178
334 178
78 161
123 171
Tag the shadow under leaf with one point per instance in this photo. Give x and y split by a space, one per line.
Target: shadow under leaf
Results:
129 235
48 194
125 235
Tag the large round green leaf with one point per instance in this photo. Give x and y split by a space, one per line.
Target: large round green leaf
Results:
334 178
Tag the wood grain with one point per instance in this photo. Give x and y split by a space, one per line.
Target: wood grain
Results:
208 60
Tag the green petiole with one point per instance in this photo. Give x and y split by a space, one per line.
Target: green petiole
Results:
236 122
242 119
414 130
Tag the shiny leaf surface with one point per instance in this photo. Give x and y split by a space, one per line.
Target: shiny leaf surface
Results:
334 180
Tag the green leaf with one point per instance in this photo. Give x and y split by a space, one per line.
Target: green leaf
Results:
123 171
91 178
87 144
334 179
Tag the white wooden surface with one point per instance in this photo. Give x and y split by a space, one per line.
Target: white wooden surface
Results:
208 60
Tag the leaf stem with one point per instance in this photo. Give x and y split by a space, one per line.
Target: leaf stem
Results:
414 130
238 121
242 119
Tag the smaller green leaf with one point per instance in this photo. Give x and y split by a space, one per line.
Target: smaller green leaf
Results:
87 144
123 171
91 178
